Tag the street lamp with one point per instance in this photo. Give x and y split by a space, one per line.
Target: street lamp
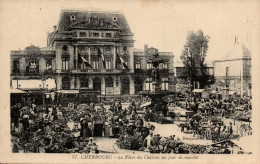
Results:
190 57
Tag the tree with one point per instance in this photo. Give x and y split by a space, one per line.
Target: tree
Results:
193 58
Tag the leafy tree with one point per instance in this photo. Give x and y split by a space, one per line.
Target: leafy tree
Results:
193 57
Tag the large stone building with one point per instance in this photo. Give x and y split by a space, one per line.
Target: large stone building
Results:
89 52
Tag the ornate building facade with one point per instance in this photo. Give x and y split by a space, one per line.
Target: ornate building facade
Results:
92 52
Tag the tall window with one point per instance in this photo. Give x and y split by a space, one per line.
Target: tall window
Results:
109 82
84 82
149 66
65 64
95 64
165 84
148 84
138 65
48 64
108 35
165 66
16 65
108 64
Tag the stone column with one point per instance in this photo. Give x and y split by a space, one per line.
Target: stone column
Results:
58 57
89 56
114 57
90 83
58 82
103 86
144 83
132 85
71 53
72 82
119 86
131 60
76 57
42 65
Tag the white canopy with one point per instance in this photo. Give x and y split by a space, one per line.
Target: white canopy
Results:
68 91
198 90
146 104
34 84
14 90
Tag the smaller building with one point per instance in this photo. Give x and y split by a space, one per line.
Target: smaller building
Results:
182 75
233 74
33 71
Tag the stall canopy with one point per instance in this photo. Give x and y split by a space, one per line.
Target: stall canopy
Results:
231 92
213 92
14 90
198 90
146 104
68 91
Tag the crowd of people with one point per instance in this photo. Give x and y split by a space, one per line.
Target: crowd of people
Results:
57 129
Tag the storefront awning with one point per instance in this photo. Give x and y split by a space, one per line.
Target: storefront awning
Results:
146 104
13 90
213 92
35 84
68 91
198 90
231 92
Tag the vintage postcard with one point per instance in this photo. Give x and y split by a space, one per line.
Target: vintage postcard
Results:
129 81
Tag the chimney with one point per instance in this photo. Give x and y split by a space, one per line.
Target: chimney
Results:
54 28
145 47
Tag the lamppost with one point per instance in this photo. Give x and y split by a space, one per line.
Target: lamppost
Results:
42 91
190 57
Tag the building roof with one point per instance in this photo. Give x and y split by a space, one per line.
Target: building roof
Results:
237 52
93 20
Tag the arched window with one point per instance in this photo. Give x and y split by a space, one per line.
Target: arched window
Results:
84 82
66 83
109 82
165 84
125 85
148 84
97 84
138 84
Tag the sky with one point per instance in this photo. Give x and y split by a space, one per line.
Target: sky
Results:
160 24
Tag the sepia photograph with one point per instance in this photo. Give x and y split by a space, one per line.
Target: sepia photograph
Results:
135 80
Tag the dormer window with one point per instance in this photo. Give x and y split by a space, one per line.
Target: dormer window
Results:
114 19
82 34
72 17
95 34
108 35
